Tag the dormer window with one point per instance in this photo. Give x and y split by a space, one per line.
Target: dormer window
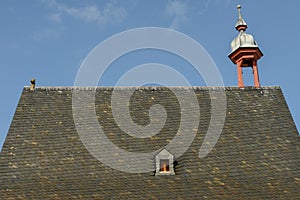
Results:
164 163
164 166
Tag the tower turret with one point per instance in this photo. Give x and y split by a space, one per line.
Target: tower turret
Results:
245 51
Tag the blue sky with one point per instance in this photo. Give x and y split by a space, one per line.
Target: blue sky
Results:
49 39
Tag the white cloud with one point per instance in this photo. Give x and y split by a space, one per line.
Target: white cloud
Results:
46 34
180 10
88 13
55 17
177 10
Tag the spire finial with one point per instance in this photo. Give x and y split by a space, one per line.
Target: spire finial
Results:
239 11
241 24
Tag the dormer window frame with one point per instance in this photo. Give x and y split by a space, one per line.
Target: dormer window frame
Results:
164 163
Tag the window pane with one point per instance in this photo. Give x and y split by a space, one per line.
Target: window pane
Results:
164 165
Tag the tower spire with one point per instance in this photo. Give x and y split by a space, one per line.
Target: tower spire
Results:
245 51
240 24
239 11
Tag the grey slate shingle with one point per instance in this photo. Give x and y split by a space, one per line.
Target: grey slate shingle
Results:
256 157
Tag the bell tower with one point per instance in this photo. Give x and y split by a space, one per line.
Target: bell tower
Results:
245 52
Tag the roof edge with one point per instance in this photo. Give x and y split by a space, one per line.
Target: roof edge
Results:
216 88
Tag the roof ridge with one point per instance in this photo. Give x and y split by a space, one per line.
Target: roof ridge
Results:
42 88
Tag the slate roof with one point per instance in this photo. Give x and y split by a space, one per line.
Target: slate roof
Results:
256 157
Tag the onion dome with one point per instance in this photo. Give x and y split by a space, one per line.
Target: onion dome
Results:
243 39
